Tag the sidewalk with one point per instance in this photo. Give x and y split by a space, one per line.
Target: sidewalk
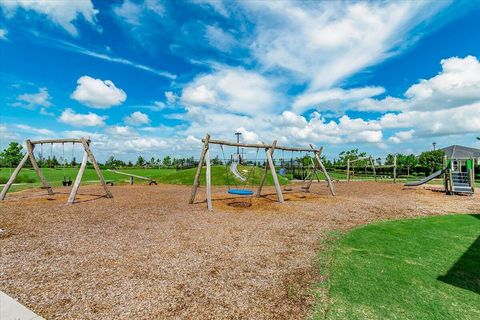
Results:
11 309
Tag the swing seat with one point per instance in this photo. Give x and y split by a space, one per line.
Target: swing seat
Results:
241 192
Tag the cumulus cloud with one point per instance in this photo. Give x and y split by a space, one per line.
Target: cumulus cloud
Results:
32 100
137 118
131 12
90 119
219 39
97 93
233 89
121 131
62 13
33 130
171 97
402 136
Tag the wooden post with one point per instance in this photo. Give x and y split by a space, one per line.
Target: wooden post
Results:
196 181
13 176
30 147
348 170
209 180
274 173
131 180
445 181
472 176
327 176
78 179
265 170
395 168
314 172
373 167
86 145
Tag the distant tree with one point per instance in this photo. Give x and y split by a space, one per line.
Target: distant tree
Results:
140 161
353 154
167 161
73 163
12 155
431 160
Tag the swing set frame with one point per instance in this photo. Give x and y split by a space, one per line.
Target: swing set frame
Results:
269 165
87 154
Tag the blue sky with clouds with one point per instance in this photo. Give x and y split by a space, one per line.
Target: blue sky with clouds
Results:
151 77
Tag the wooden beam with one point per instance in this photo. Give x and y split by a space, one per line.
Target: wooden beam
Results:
209 180
131 175
47 141
395 168
324 170
33 161
306 187
14 175
373 167
265 170
86 145
78 179
257 145
274 174
196 180
348 170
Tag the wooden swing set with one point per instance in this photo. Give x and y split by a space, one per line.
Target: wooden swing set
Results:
351 167
269 165
87 154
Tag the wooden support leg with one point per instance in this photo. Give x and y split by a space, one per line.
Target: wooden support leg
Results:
395 169
131 180
78 179
327 176
348 170
86 145
13 176
37 169
209 180
265 171
274 174
196 181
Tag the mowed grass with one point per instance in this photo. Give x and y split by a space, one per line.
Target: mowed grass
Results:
220 176
427 268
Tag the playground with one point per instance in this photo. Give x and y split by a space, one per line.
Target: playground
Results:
147 253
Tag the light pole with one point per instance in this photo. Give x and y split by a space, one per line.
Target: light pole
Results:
434 144
238 134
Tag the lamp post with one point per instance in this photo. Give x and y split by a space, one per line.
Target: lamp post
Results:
434 145
238 134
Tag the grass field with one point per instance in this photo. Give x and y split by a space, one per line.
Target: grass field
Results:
171 176
427 268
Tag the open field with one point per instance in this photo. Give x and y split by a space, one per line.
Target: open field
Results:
427 268
147 254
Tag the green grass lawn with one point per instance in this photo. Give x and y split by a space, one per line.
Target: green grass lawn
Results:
427 268
220 176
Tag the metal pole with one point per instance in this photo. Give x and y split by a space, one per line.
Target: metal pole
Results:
238 134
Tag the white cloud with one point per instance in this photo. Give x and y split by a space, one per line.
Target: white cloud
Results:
332 98
61 12
171 97
33 130
131 12
402 136
32 100
248 136
233 89
137 118
323 43
96 93
3 34
121 131
90 119
219 39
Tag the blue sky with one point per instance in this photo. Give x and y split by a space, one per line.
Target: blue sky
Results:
151 77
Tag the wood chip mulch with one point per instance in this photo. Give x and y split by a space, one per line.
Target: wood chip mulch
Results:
147 254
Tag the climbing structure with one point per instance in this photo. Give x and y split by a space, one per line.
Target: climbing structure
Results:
87 154
269 165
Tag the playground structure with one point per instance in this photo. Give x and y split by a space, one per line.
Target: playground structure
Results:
458 171
133 176
351 167
269 165
87 154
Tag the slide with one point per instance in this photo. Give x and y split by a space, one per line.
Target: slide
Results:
234 168
424 180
